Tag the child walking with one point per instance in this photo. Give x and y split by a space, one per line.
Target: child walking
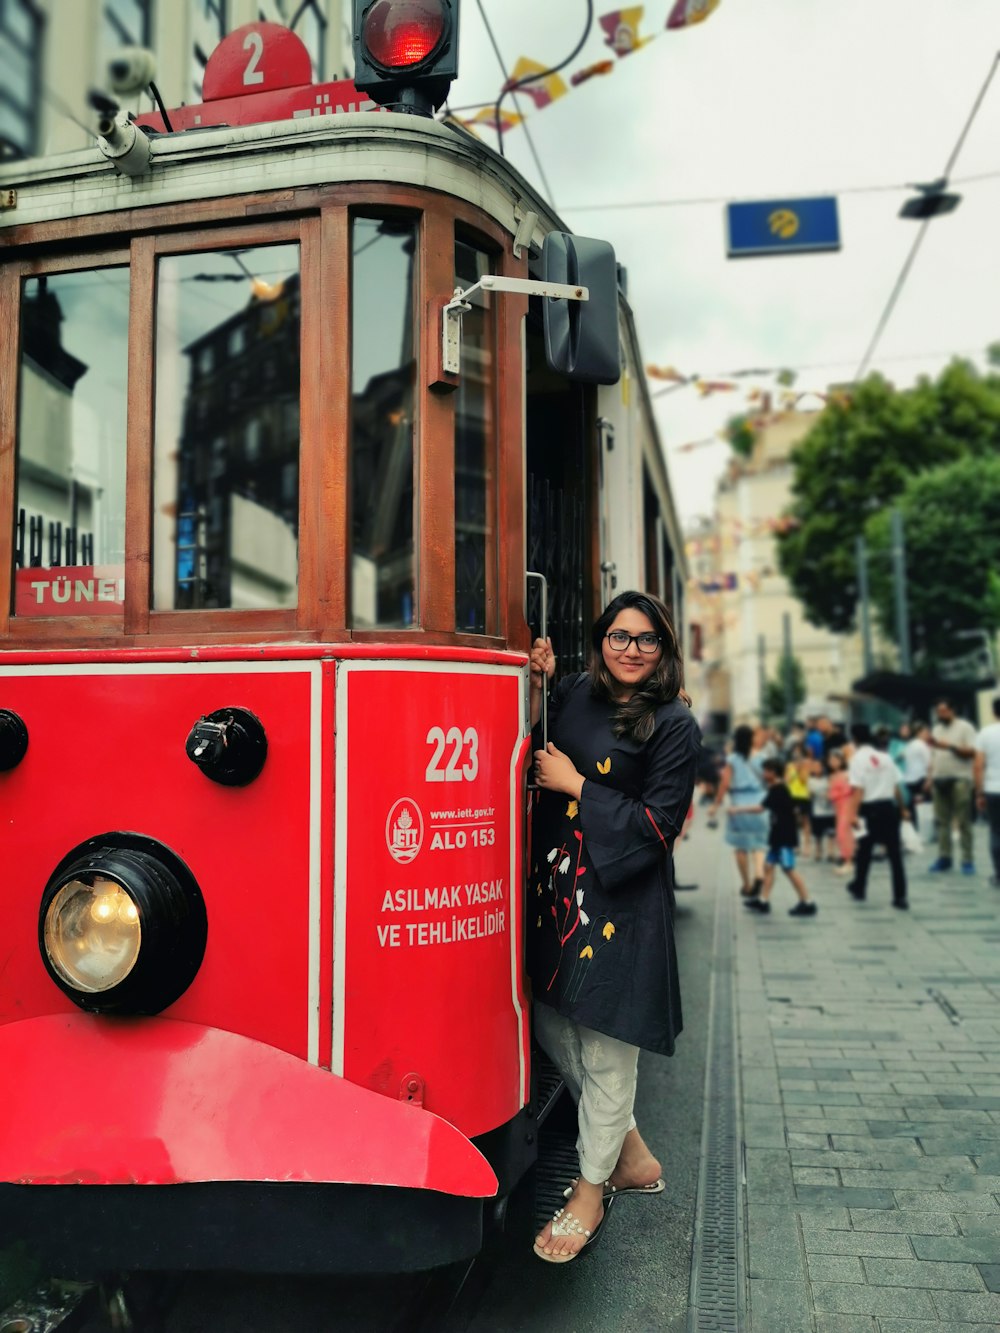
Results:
839 795
782 841
823 814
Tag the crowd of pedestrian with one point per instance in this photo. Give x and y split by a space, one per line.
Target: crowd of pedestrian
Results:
847 796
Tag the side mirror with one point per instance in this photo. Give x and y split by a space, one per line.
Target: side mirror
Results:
581 337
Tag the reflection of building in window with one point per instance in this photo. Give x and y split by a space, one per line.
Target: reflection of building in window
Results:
382 477
474 543
55 509
237 470
20 77
382 392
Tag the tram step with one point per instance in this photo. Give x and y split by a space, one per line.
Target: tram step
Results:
53 1306
548 1085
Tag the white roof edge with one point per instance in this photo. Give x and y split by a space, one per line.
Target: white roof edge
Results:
632 334
84 167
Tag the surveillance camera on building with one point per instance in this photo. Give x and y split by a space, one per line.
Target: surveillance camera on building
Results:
125 146
131 69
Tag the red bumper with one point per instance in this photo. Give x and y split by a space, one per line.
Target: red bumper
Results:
152 1101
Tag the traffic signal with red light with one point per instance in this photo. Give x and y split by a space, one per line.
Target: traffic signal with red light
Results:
406 52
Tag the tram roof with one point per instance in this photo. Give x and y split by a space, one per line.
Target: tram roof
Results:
214 163
346 148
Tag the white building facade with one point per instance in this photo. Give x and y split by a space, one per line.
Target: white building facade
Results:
741 600
53 52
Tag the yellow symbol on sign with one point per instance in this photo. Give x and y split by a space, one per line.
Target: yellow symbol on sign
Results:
784 223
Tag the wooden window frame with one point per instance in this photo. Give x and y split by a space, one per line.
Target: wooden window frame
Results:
319 220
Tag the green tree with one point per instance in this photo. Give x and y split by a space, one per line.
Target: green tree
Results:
739 433
789 669
951 528
858 459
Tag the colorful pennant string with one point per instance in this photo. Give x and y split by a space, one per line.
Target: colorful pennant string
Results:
622 34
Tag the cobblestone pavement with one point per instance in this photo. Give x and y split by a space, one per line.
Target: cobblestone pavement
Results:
870 1066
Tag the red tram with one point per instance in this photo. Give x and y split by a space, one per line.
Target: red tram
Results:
266 514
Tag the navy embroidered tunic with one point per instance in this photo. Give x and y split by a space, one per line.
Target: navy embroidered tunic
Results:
600 899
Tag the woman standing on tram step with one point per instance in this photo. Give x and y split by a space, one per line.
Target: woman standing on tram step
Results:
746 834
616 780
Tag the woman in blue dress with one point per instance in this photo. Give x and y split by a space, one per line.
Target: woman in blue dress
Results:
746 834
615 785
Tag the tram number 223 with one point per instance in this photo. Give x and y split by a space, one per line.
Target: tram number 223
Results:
462 751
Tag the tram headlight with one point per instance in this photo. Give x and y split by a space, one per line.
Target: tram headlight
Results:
92 933
122 926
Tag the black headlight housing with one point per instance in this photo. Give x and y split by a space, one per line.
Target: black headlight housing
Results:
122 925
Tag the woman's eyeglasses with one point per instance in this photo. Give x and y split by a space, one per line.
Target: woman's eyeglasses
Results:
620 640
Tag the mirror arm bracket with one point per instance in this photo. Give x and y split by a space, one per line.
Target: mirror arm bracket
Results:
453 310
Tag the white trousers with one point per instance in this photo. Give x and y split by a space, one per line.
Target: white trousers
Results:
601 1074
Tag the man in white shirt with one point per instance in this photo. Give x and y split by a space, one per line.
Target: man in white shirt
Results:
916 767
986 767
875 795
953 741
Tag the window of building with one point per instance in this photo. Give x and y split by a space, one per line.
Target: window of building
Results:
475 459
383 372
308 19
208 27
225 469
69 514
20 77
125 23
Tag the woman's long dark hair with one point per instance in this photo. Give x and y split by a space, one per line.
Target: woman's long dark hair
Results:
636 718
743 741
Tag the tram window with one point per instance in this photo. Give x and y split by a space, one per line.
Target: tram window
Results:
69 540
226 465
383 369
475 538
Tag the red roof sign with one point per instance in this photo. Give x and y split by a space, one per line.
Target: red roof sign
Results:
261 72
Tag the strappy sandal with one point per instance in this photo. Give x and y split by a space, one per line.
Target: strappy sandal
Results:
564 1223
612 1191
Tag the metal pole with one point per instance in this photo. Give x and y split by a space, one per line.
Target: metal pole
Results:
762 675
899 579
543 631
786 662
865 616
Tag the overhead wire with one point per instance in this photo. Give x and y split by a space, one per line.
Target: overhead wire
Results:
693 200
937 187
506 76
542 74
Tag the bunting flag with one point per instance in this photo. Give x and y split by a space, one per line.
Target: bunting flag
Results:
696 444
487 118
707 387
621 27
541 91
687 12
669 373
582 75
621 34
720 583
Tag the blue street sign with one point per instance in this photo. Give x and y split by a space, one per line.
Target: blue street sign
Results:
782 226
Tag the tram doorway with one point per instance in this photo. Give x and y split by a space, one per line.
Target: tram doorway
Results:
561 502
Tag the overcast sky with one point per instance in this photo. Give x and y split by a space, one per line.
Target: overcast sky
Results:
768 98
